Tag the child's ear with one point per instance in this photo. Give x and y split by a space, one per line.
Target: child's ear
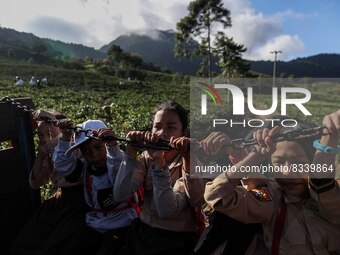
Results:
186 132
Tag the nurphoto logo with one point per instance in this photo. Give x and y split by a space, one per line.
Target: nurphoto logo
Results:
239 99
289 96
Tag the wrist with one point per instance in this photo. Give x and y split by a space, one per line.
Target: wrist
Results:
255 158
237 157
326 146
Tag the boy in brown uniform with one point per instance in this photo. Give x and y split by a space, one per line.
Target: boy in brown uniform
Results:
299 214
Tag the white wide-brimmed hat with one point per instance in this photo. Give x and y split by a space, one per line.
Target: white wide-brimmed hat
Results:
80 137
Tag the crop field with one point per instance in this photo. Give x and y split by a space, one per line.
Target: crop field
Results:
127 108
82 95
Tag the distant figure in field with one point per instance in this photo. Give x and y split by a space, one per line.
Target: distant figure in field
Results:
44 81
33 81
19 81
121 84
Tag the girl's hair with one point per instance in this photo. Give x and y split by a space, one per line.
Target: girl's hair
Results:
176 108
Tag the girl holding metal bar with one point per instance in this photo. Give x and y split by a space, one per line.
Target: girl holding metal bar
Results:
167 223
300 210
57 219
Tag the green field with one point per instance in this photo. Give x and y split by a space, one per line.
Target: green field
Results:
81 95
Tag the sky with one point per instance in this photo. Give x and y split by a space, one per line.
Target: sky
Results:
298 28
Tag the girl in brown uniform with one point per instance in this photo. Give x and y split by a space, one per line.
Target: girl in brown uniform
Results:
299 212
167 224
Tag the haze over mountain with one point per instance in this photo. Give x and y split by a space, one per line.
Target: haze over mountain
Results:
26 45
155 47
159 50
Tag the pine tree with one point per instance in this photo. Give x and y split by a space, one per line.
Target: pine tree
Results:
230 56
199 24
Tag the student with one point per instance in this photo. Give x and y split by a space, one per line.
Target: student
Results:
59 217
108 220
167 223
48 136
226 235
299 213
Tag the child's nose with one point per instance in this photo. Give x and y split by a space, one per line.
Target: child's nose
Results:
163 134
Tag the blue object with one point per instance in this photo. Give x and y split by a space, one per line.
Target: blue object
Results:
325 149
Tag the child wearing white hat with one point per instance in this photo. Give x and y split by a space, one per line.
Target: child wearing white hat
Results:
108 220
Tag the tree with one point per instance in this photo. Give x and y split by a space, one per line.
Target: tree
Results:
230 56
11 53
40 48
116 53
199 24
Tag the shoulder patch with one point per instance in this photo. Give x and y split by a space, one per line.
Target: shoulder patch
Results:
261 194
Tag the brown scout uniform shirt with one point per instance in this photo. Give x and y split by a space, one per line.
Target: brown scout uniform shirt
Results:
312 226
194 189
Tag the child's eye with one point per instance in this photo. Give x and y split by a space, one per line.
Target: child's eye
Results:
172 127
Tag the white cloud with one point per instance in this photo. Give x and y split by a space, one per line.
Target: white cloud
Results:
98 22
262 34
297 15
253 29
287 44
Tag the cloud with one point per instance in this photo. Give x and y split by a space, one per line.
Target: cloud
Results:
253 29
65 30
262 34
98 22
297 15
289 46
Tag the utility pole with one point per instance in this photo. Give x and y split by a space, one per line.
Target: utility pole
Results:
275 52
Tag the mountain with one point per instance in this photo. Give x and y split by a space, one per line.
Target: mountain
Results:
23 46
74 50
157 48
318 66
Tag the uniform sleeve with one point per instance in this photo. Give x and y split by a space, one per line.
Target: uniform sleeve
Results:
168 201
194 189
127 182
238 203
327 195
64 165
114 158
